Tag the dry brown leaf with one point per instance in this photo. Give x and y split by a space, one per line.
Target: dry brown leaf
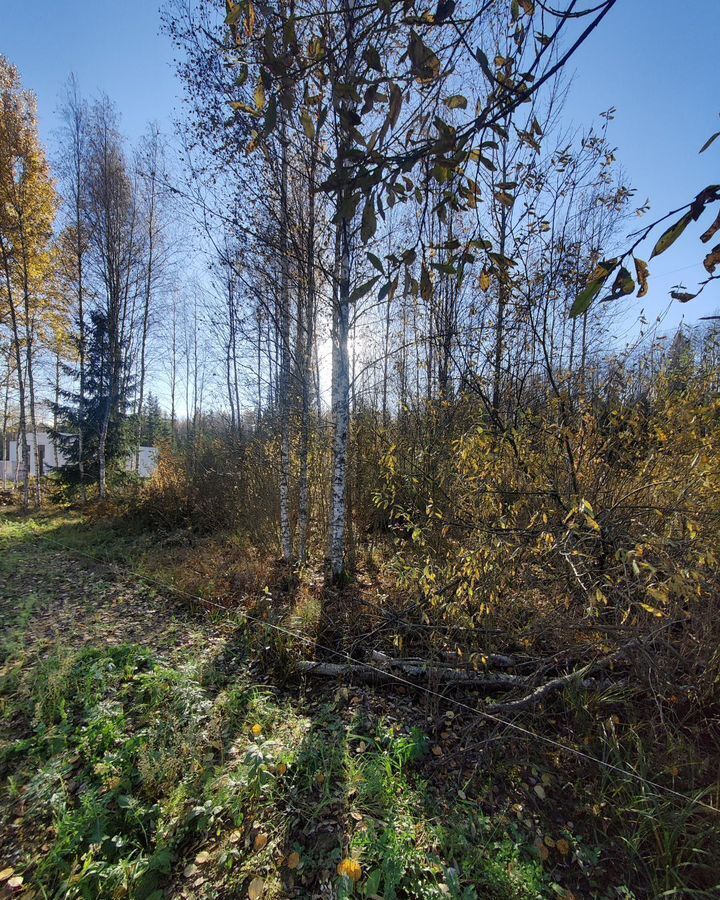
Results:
256 888
293 861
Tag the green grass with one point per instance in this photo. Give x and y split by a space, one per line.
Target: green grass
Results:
140 768
128 767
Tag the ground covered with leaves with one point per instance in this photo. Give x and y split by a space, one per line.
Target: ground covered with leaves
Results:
150 749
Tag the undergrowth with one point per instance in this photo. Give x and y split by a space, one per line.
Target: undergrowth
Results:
182 767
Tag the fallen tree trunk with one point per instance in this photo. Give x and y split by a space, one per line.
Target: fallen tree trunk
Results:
557 684
401 672
390 669
488 660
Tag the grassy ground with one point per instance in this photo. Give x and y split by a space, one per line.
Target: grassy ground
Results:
148 750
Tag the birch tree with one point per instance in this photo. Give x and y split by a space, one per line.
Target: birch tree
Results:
28 205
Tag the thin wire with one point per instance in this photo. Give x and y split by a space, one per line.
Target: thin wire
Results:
558 745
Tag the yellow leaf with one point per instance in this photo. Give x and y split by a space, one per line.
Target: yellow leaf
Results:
250 20
256 730
293 861
243 107
485 282
6 873
350 868
260 94
307 124
658 613
256 888
642 272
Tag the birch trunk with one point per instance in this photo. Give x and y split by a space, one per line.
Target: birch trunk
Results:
340 328
16 346
5 456
340 402
308 344
285 387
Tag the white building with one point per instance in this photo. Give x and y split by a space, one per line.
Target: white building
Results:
52 458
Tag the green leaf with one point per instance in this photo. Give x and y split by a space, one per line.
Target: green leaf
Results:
623 284
377 262
424 63
396 100
368 225
668 237
426 286
372 58
586 296
372 885
709 141
363 288
584 299
270 120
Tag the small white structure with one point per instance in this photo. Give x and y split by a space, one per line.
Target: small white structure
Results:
52 457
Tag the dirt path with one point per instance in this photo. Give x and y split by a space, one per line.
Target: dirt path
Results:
60 597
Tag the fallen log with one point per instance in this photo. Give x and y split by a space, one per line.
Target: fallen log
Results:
389 669
489 660
410 671
577 676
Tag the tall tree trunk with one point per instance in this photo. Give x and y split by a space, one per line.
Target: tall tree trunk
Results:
173 375
503 297
308 344
6 410
56 403
341 322
286 536
23 443
340 396
102 446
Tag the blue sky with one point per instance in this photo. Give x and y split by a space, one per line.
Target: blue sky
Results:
656 61
115 48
